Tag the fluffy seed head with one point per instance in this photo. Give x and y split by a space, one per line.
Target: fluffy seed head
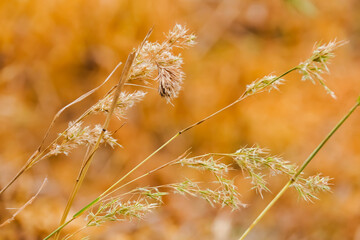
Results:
170 80
317 64
125 101
268 82
157 62
117 210
78 135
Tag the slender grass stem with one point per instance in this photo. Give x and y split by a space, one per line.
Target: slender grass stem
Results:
124 75
18 174
74 233
294 178
24 206
173 162
137 166
73 194
59 228
34 157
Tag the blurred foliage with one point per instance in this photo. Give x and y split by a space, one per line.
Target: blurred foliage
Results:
53 51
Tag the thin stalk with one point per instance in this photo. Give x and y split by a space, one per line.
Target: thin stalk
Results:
124 75
34 157
18 174
24 206
59 228
73 193
74 233
137 166
173 162
303 166
112 187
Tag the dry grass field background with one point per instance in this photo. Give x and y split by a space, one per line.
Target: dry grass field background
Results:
51 52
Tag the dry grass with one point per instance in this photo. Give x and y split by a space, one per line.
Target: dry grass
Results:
63 50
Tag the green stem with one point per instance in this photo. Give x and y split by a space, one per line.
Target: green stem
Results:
137 166
59 228
111 191
285 73
86 207
265 210
312 155
294 178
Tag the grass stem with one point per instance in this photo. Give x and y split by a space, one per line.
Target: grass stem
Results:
294 178
86 165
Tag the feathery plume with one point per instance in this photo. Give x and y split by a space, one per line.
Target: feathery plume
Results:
224 195
308 187
317 64
116 210
157 62
260 85
255 160
125 101
205 163
77 135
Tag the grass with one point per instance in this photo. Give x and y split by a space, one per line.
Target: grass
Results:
156 63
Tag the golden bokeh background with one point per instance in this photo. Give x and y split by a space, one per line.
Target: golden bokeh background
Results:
51 52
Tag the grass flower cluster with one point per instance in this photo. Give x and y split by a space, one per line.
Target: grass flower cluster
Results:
317 64
119 210
224 195
125 101
77 135
268 82
156 61
309 187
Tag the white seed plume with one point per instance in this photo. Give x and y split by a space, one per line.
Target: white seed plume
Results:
116 210
254 161
77 135
126 100
224 195
270 82
205 163
317 64
179 37
157 62
310 186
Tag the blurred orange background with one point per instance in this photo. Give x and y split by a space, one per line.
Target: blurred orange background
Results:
51 52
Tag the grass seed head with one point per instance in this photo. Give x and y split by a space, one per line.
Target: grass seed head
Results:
268 82
77 135
125 101
157 62
317 64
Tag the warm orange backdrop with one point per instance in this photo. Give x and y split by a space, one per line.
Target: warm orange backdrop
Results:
53 51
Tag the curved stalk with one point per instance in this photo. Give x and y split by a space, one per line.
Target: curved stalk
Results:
86 165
